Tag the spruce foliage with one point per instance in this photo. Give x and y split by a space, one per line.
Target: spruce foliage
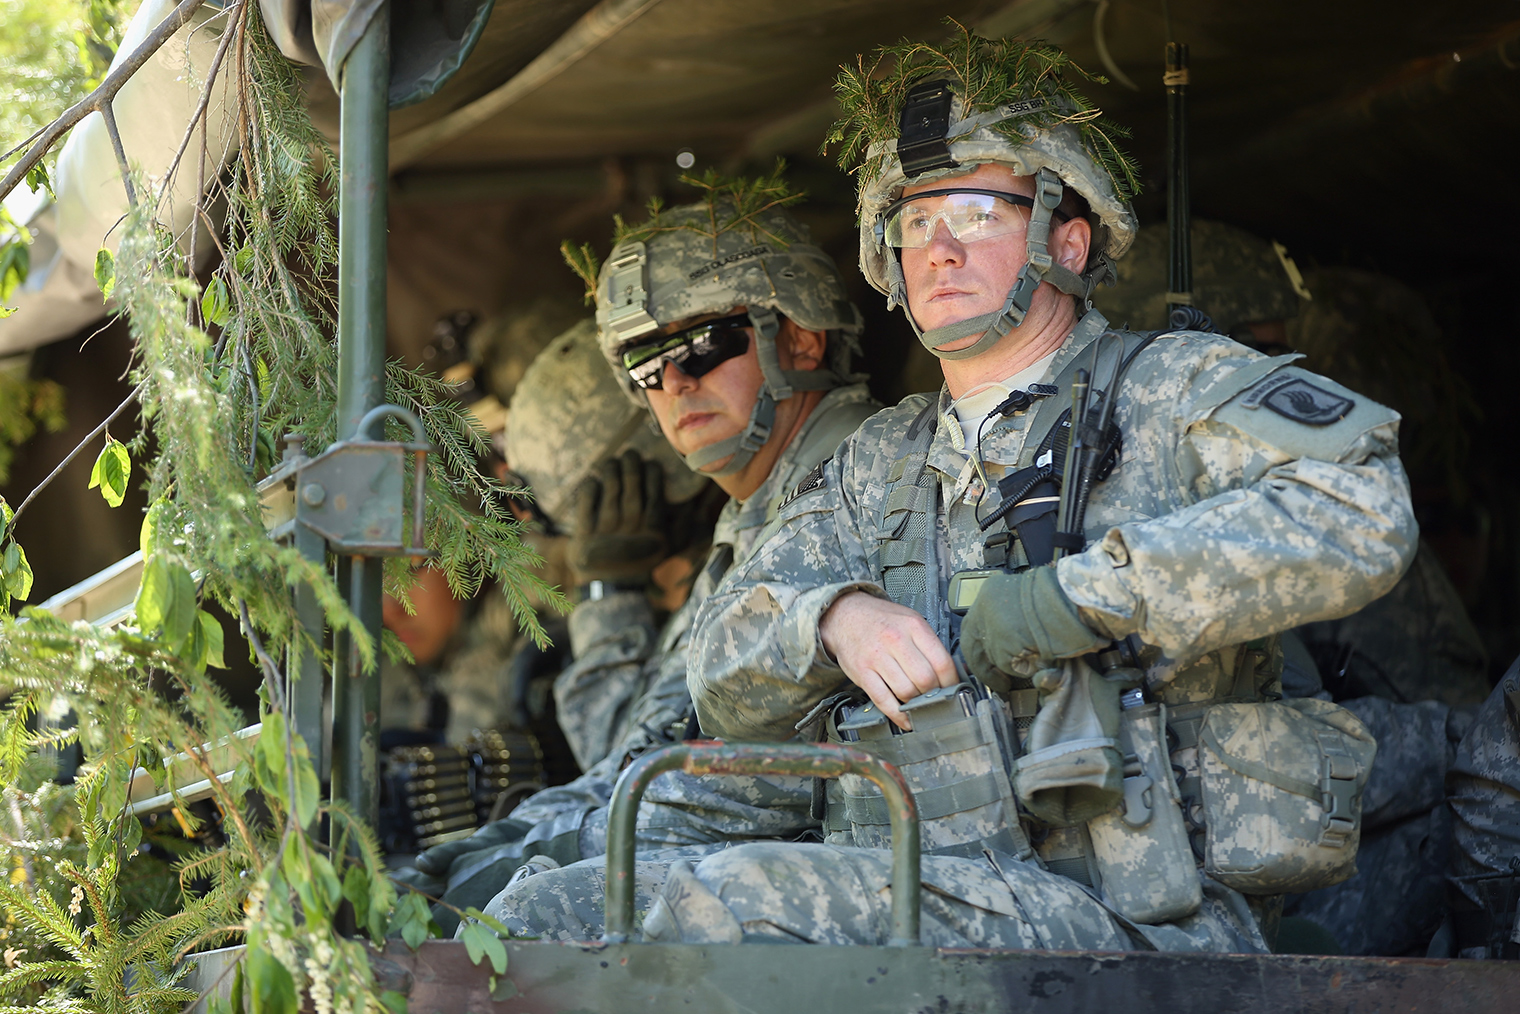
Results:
989 73
224 372
731 203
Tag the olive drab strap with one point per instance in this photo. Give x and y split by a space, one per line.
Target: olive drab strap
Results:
906 546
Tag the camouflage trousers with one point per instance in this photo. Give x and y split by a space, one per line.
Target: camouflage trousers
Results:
678 810
774 892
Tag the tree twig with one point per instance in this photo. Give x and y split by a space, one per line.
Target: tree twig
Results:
97 431
108 114
271 671
98 101
200 111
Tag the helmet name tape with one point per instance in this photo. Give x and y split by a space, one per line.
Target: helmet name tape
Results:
925 120
759 250
627 297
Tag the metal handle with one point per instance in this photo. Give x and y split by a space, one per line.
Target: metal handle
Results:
419 448
714 758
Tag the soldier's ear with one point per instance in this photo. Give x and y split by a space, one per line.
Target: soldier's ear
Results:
1070 241
804 348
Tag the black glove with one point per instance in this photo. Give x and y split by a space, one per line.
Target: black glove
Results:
619 521
435 862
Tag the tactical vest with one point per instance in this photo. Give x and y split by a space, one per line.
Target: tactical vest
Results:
1262 795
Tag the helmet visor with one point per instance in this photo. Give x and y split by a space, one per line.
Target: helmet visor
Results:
695 351
970 215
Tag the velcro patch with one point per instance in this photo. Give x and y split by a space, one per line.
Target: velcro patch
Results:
1297 399
811 482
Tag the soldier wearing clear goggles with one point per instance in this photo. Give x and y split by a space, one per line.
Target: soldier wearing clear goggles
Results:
970 215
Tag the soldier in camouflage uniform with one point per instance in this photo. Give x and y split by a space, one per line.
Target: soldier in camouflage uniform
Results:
757 418
1410 664
1483 790
1249 497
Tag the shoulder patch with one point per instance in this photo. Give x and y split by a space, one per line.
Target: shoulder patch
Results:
810 483
1297 399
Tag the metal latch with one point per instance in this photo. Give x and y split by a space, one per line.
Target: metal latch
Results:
352 494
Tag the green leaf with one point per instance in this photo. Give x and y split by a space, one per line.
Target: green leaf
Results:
308 789
166 599
356 890
5 515
105 272
394 1002
147 537
15 263
112 470
325 880
489 920
37 179
411 920
6 311
269 756
481 942
216 302
212 639
15 571
272 989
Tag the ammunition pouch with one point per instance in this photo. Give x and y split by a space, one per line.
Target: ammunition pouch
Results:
957 760
1281 793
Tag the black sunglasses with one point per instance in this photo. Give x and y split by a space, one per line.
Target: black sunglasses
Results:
695 351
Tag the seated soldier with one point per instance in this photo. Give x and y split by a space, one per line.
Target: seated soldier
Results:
747 372
1227 497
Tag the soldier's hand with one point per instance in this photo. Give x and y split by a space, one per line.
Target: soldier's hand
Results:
887 650
619 521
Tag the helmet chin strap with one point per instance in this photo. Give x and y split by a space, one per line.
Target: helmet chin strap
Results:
776 385
1039 266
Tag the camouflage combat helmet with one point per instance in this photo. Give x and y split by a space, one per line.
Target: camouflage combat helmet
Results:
567 415
922 113
738 246
1238 278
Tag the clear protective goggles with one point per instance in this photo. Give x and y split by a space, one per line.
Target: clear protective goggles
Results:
695 351
970 215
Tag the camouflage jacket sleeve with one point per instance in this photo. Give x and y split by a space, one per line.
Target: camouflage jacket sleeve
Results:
611 640
1483 791
1283 502
756 664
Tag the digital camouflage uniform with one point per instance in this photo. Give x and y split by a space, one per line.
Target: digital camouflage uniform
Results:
782 272
1483 791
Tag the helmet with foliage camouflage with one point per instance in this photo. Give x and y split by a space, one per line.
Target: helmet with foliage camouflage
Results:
1238 278
567 415
921 113
738 246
